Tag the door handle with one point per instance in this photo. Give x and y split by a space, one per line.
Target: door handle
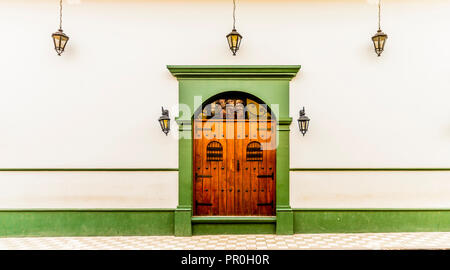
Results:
238 165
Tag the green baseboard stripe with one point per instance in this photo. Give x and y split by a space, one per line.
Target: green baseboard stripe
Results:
88 169
371 220
365 169
233 219
128 222
233 225
86 222
235 228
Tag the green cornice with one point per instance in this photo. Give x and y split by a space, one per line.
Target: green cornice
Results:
234 71
284 121
181 121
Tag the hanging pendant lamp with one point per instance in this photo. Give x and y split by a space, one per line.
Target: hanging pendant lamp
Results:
59 38
379 39
234 38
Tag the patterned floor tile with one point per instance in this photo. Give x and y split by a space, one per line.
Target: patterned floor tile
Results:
432 240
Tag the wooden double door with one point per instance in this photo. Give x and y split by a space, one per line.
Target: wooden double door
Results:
234 167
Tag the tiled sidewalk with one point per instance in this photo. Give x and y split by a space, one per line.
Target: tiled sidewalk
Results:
433 240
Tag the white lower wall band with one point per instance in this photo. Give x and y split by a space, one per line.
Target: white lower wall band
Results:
369 189
88 189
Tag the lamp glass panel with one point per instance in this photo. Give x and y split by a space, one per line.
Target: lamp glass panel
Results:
382 41
303 125
63 42
376 43
230 43
234 39
57 41
60 42
166 123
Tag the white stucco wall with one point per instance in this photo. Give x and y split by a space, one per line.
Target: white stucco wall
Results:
88 189
96 106
370 189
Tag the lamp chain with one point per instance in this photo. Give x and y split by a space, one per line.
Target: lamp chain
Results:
379 14
60 14
234 14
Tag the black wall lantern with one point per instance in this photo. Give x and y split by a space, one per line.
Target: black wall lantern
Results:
164 121
379 39
59 38
303 122
234 38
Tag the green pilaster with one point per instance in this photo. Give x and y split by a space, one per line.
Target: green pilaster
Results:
285 216
199 83
183 212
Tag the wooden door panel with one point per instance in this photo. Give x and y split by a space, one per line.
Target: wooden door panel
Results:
246 169
271 163
263 208
198 169
238 175
253 135
221 187
229 131
267 176
222 174
208 177
216 172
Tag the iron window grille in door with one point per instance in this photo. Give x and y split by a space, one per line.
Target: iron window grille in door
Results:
254 151
214 151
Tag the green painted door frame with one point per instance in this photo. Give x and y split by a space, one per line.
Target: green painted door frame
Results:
199 83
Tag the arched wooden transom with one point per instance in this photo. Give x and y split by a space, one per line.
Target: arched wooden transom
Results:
234 108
